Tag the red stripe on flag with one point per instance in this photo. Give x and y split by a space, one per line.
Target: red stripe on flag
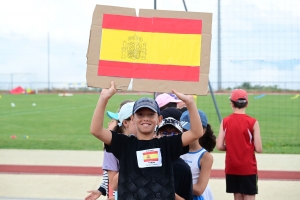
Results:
183 26
151 152
151 160
158 25
148 71
128 23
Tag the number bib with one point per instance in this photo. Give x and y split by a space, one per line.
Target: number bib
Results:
149 158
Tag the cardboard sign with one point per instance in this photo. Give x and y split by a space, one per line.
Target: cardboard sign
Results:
155 52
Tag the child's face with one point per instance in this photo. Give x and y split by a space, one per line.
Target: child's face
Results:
145 120
111 124
168 130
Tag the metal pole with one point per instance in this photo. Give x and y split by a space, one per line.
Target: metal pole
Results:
48 46
12 81
215 102
183 1
210 88
219 49
154 94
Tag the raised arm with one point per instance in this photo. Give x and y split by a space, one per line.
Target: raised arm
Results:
196 130
97 128
220 140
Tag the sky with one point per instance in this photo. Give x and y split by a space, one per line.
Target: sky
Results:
46 40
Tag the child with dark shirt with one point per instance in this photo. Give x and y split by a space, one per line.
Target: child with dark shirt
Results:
182 173
146 170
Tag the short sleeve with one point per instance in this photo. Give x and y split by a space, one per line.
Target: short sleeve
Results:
118 141
110 162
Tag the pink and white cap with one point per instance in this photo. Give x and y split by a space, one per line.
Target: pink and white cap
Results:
164 99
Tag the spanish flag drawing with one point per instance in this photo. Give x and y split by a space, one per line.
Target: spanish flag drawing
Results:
150 48
150 156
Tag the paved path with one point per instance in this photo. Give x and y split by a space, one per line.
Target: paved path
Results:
49 175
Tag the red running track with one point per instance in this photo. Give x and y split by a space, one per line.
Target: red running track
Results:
72 170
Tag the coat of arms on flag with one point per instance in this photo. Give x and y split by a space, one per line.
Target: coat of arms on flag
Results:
155 52
150 156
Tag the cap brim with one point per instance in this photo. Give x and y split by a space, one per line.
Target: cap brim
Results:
112 115
177 127
175 101
185 125
144 107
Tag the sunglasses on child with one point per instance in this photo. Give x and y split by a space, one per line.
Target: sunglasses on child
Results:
165 133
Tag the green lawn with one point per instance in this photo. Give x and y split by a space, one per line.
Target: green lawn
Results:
63 122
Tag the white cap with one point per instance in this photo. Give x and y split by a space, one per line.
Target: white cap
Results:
125 112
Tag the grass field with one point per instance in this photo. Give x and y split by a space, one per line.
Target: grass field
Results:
63 122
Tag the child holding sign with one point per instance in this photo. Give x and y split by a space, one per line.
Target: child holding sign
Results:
146 170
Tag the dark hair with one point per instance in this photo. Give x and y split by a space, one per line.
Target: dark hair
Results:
240 103
208 140
120 129
169 105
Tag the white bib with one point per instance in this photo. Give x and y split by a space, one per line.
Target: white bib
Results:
149 158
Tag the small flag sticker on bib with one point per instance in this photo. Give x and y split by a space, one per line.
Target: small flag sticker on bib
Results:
150 156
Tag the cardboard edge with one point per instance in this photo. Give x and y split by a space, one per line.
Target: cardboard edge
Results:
205 55
198 88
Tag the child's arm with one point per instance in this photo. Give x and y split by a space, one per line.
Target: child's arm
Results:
220 140
177 197
97 128
196 130
206 165
94 194
114 184
257 139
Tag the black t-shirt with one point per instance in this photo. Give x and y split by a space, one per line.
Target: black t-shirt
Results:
183 179
137 178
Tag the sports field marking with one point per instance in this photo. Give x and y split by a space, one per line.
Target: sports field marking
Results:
295 97
259 96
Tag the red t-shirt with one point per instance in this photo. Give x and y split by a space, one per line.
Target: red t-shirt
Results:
240 155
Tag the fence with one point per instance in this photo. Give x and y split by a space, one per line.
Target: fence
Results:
255 46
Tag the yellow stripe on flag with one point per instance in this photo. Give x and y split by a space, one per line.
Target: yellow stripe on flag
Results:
150 156
153 48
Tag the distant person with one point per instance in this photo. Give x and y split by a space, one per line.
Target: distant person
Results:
165 101
239 136
146 170
199 157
